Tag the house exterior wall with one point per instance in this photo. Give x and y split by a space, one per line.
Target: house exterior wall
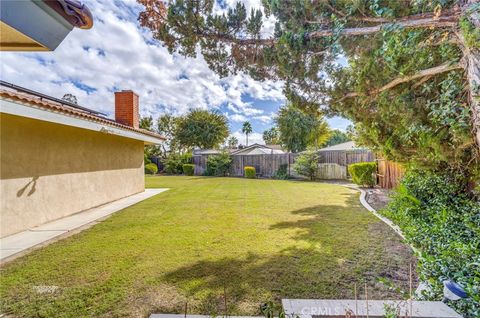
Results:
49 171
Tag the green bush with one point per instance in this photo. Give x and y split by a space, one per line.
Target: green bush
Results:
146 159
282 172
443 223
250 172
188 169
218 165
363 173
151 168
175 161
306 164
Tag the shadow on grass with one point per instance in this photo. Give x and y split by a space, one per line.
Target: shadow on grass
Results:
338 250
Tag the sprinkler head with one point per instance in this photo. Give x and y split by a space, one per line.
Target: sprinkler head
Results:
453 291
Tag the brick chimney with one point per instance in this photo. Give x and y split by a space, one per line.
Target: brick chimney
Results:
126 108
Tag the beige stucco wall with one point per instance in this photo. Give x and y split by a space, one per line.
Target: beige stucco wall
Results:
49 171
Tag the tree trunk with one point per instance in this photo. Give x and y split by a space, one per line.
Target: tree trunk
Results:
473 75
472 59
440 22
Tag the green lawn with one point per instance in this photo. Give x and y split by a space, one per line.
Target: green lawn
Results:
260 239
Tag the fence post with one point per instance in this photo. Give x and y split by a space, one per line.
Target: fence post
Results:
289 174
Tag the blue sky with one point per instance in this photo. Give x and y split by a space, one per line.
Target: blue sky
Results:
118 54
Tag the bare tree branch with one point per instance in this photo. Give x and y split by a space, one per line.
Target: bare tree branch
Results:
429 15
400 80
447 21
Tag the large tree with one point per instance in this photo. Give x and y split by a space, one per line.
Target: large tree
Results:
232 142
247 130
271 136
299 130
166 126
337 137
149 151
201 128
147 123
398 69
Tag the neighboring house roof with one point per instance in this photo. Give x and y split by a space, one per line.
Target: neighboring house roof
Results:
54 110
349 145
207 152
263 151
198 152
276 147
257 149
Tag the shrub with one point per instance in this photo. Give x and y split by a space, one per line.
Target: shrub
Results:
250 172
175 161
282 172
151 168
146 159
363 173
218 165
188 169
307 164
443 223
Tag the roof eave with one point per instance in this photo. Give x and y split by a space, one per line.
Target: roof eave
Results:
23 109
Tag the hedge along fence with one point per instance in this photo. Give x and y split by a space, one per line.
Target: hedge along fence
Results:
364 173
332 164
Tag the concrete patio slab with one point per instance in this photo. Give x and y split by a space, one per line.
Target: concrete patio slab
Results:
18 244
316 308
196 316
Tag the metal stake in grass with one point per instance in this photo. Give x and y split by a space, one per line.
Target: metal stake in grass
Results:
410 287
366 297
225 300
356 300
186 308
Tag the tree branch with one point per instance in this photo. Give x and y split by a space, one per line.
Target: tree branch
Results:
400 80
455 12
446 21
431 22
472 61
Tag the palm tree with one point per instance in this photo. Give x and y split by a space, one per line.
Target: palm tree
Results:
247 129
232 142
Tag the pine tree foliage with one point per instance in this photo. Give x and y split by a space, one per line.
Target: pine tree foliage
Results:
407 73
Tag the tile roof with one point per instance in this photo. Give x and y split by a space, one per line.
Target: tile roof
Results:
70 111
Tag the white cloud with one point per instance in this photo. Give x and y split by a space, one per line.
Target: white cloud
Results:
264 119
252 138
237 118
117 54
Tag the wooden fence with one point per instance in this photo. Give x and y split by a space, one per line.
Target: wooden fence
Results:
345 158
331 171
265 165
389 173
332 164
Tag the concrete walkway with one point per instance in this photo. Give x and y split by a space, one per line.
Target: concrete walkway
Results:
21 243
308 308
313 308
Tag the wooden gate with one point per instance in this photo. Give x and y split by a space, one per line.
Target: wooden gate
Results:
389 173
